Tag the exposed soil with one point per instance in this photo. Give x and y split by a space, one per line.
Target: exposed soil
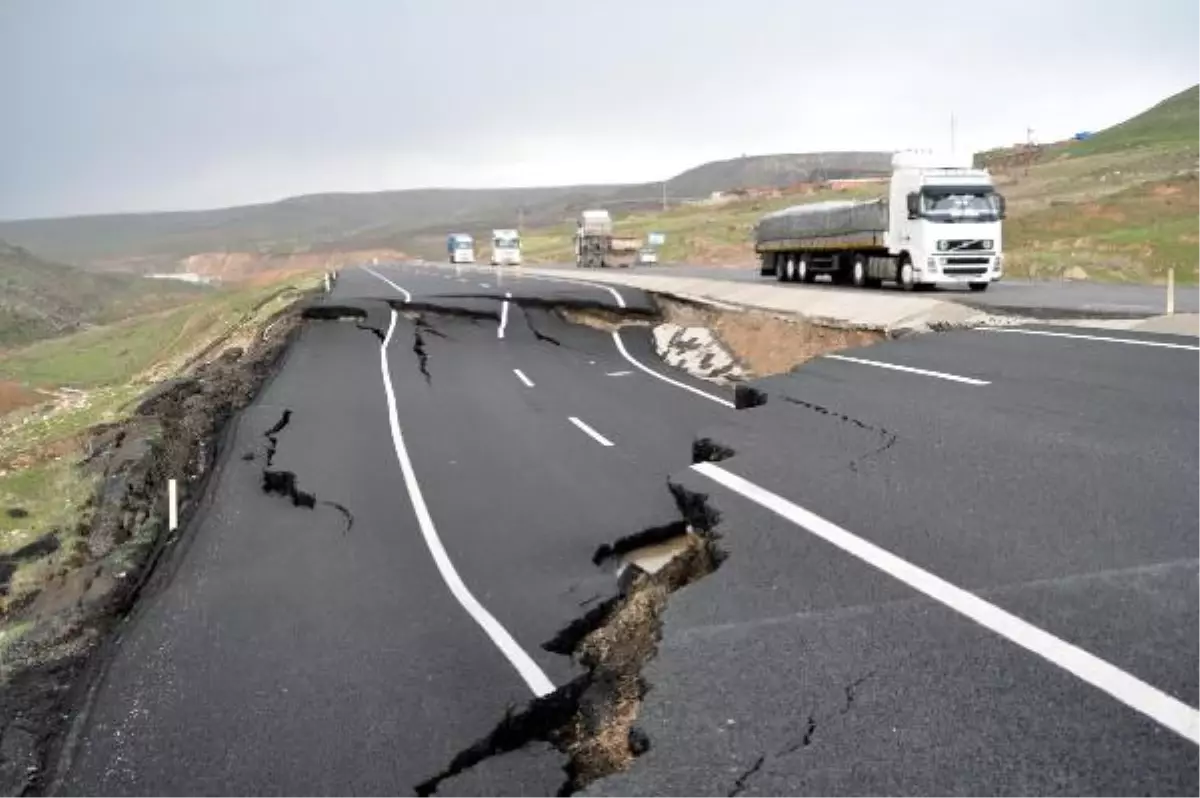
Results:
175 432
14 395
763 342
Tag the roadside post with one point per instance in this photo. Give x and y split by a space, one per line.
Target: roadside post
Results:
1170 290
172 505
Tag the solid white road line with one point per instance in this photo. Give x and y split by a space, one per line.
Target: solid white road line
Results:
603 441
1126 688
1105 338
615 293
941 375
407 296
485 285
503 315
530 672
618 373
621 348
521 376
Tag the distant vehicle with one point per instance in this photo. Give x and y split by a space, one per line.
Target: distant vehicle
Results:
940 223
506 248
461 248
597 247
646 256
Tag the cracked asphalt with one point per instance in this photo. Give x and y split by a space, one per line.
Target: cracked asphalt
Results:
302 639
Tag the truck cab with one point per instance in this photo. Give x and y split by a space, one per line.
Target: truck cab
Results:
945 221
461 248
506 248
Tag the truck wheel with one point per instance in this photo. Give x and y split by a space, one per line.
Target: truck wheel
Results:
803 273
859 271
978 286
784 268
905 276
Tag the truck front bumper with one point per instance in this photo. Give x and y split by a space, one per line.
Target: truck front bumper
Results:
981 268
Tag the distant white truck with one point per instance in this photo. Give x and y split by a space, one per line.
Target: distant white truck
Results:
598 247
506 248
940 223
461 248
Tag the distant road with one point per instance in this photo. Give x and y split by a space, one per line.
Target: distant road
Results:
962 563
1037 298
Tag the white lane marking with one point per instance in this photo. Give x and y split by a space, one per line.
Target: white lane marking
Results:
485 285
461 279
407 296
1105 338
603 441
1126 688
621 348
941 375
521 376
530 672
616 294
618 373
503 315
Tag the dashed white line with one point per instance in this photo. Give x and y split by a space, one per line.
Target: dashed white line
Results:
529 670
941 375
485 285
407 295
621 348
503 315
521 376
618 373
603 441
1126 688
1105 338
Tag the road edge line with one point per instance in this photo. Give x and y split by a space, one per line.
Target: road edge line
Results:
407 295
1104 338
940 375
616 334
537 681
1126 688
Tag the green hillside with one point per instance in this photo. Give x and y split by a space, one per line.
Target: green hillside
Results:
40 300
1173 122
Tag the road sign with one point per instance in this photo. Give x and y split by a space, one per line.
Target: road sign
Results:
656 239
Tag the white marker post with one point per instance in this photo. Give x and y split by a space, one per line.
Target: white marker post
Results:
327 284
172 505
1170 290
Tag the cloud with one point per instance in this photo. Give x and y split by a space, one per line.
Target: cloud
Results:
138 104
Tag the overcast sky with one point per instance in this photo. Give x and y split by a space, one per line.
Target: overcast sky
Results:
125 105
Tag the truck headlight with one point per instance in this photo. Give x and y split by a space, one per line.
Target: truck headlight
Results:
987 243
943 246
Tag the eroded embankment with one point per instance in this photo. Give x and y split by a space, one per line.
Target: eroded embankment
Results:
54 635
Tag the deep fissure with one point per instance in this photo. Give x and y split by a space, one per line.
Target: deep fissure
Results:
592 719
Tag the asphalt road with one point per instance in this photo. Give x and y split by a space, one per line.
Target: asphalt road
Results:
1030 626
1037 298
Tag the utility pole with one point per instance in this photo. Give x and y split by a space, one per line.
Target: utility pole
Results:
664 195
520 218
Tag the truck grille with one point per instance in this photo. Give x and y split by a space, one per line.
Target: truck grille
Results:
965 270
965 245
963 261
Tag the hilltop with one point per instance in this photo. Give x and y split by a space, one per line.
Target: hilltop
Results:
39 299
391 219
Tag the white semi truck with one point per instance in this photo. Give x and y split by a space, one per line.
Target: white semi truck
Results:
506 248
461 248
940 223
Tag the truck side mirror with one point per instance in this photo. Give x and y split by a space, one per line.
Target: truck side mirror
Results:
914 205
1001 206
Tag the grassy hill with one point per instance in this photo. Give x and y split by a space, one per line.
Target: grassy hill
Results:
389 219
39 299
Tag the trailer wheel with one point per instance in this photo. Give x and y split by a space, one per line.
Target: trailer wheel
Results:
803 273
859 271
784 268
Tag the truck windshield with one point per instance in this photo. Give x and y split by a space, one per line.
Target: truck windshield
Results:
506 243
460 244
955 205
